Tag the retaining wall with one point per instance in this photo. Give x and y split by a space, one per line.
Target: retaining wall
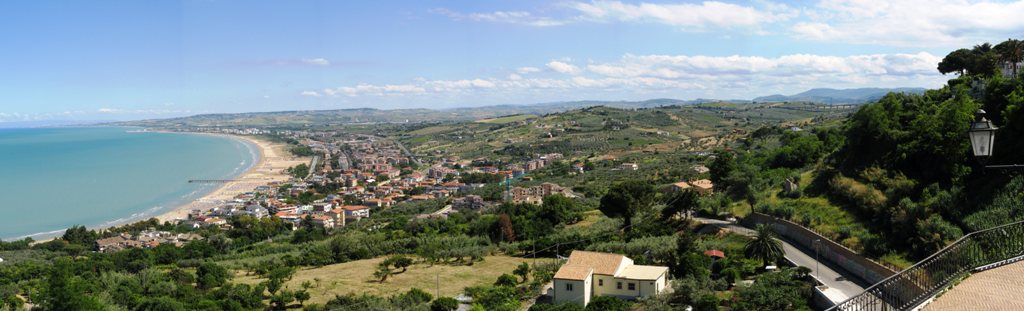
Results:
868 270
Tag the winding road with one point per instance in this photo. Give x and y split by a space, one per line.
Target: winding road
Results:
826 274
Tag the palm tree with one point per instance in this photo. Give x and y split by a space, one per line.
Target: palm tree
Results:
765 246
1011 51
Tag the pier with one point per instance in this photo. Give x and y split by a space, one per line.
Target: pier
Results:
210 181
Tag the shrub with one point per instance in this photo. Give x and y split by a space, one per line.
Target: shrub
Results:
706 302
506 280
444 304
607 303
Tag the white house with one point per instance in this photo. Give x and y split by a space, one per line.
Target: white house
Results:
356 212
629 166
587 274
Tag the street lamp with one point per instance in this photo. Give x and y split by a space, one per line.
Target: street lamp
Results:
982 135
817 244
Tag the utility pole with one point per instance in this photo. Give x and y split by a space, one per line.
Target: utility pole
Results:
557 253
534 256
437 276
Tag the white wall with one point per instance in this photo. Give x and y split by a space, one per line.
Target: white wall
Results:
579 294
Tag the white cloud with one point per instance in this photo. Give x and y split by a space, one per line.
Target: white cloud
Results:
912 22
756 68
818 31
688 16
452 85
733 76
562 67
316 61
378 90
508 17
107 110
310 93
527 70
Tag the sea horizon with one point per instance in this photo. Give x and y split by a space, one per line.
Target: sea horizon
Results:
100 176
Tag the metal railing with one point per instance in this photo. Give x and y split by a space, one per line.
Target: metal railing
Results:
909 288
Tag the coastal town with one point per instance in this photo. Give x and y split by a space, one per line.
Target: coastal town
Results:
347 177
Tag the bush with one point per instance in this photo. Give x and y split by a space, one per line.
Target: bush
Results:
506 280
444 304
706 302
556 307
730 275
210 275
607 303
499 298
1007 206
414 297
783 290
864 196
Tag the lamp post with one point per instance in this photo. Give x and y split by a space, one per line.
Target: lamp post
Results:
817 244
983 136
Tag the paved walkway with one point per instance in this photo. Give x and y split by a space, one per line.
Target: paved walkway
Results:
997 289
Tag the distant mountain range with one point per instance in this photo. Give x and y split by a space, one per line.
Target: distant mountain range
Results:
416 115
839 96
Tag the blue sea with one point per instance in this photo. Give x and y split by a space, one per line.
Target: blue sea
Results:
54 178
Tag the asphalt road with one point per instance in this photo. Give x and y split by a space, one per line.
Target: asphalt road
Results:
827 275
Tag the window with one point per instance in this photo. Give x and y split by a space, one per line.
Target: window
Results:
618 285
568 287
632 286
600 282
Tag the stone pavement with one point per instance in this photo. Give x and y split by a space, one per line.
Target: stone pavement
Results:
996 289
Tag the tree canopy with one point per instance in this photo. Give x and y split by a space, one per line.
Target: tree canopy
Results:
626 199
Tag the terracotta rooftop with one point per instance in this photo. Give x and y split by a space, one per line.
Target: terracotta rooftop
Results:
573 272
703 184
354 207
602 263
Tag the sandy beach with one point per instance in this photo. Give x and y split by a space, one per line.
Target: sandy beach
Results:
274 158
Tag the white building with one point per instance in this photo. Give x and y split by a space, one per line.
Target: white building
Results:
587 274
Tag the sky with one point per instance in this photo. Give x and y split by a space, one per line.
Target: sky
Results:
123 60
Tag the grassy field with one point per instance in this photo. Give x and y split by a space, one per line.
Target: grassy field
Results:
357 277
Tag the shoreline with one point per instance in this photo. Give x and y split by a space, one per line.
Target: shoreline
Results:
271 160
182 210
268 168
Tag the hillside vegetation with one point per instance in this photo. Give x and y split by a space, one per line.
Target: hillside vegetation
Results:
897 179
